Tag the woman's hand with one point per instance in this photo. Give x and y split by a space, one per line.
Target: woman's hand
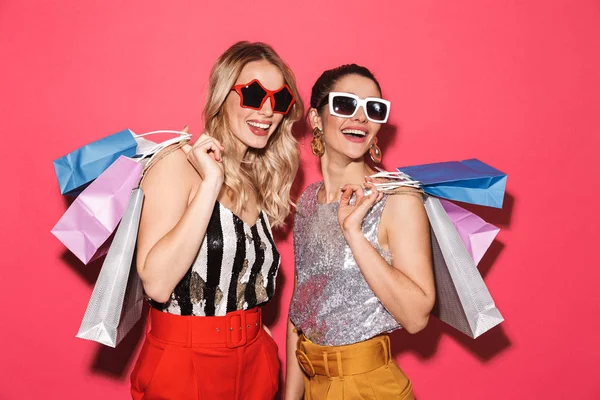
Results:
206 158
351 216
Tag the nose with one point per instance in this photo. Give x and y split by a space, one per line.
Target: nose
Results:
360 115
267 108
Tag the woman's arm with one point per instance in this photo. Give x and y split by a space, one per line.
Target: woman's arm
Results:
406 287
294 377
173 226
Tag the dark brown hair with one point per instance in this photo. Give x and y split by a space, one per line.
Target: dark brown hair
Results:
327 80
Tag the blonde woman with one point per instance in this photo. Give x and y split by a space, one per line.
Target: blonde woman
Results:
363 259
205 252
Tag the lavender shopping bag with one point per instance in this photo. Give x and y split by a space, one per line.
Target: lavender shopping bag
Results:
476 234
96 212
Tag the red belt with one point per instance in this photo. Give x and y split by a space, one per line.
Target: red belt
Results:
233 330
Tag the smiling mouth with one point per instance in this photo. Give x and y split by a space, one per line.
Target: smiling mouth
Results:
259 125
354 133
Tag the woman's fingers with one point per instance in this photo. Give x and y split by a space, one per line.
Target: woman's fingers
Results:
351 215
215 140
360 193
346 195
187 148
209 145
367 201
375 194
347 192
211 148
206 137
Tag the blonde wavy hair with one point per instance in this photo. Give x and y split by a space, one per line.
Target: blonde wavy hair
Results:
270 171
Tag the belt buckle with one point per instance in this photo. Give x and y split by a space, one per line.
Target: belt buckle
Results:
235 323
305 363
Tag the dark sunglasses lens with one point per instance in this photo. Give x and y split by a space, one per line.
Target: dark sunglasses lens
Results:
344 105
283 99
252 95
377 110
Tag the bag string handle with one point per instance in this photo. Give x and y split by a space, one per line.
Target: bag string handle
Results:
156 149
152 152
394 181
162 153
181 133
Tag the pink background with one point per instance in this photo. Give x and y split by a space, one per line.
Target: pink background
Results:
515 83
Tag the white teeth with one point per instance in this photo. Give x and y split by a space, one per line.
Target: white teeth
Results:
355 132
258 125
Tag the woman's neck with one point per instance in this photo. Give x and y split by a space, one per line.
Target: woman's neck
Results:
340 172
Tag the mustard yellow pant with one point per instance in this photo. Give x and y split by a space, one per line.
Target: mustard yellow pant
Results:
362 371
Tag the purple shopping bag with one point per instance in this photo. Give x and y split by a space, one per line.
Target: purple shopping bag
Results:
96 212
476 234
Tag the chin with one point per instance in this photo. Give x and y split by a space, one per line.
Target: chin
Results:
355 155
257 142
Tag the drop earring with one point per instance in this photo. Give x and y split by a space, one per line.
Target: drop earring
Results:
375 152
317 145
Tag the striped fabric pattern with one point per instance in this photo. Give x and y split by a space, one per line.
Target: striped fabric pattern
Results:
235 269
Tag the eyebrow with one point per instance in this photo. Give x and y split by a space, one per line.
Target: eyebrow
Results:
347 91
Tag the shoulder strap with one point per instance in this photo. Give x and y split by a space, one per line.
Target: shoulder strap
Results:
309 194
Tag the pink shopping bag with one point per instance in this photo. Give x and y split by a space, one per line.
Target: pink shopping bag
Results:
96 212
476 234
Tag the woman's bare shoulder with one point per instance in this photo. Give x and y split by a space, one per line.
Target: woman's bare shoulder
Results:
171 171
404 203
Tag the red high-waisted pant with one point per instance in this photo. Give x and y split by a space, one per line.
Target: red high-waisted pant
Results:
191 357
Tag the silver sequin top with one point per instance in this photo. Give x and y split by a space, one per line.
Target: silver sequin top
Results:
333 304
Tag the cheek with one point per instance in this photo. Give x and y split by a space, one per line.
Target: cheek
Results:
330 122
277 118
237 115
373 127
332 125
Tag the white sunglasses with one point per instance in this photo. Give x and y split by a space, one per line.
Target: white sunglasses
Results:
345 105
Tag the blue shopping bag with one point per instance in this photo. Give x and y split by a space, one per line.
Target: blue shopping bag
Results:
469 181
78 168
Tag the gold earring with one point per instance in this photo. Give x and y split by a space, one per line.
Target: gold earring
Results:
375 152
317 145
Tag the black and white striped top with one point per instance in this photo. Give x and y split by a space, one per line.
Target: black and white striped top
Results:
235 268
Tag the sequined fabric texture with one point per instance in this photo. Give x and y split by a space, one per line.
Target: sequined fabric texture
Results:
235 269
333 304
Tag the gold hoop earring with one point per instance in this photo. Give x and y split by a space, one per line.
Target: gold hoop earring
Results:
317 145
375 152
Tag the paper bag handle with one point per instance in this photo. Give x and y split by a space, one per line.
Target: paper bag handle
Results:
394 181
181 133
152 152
162 153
